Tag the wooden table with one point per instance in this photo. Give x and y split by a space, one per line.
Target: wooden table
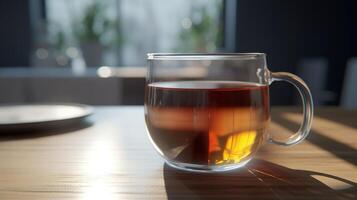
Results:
112 158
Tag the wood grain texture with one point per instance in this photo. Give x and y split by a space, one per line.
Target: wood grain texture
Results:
110 157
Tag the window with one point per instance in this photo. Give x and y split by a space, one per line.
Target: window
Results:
121 32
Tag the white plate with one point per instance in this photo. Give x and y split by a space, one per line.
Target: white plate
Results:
15 117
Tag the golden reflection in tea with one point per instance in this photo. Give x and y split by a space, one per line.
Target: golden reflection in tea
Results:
207 122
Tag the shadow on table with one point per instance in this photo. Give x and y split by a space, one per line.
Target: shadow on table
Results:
343 116
54 128
258 180
317 138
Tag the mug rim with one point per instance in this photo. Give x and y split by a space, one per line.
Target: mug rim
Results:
205 56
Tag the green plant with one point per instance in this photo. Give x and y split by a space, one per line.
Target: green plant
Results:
94 25
203 35
60 41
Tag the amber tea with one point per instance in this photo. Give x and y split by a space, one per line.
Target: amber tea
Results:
207 122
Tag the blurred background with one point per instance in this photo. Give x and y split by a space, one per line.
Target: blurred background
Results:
94 52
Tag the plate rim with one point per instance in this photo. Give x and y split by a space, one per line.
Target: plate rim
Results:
87 111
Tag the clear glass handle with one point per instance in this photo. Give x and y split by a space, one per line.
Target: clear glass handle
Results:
307 105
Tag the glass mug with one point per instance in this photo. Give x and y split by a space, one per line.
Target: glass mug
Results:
210 112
